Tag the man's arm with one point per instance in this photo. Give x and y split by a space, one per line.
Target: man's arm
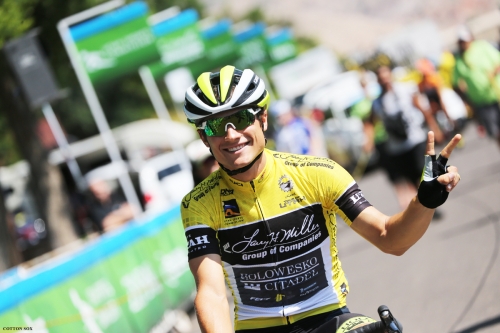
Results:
369 131
212 308
396 234
428 116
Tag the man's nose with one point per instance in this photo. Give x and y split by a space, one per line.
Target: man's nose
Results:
231 132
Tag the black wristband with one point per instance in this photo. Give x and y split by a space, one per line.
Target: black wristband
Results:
431 193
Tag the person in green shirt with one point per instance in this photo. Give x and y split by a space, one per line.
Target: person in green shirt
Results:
476 78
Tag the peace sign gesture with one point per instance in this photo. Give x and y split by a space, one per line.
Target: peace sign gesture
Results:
438 178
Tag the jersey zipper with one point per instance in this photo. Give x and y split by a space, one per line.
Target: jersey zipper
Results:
275 255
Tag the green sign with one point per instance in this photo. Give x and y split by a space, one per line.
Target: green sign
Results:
252 46
181 47
116 43
127 282
179 42
281 46
220 48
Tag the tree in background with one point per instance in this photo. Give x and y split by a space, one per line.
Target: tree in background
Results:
18 122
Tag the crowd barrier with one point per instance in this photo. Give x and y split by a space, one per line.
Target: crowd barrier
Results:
128 280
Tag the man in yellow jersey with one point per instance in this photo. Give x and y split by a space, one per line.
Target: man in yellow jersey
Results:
264 223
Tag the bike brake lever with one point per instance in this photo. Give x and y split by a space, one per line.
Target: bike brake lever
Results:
392 325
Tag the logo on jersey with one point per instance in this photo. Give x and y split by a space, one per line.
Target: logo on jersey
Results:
236 183
225 192
231 208
252 286
285 183
200 240
343 289
356 197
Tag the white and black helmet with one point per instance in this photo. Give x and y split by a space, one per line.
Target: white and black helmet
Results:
221 92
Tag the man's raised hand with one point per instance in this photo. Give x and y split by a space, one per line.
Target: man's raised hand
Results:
451 177
438 179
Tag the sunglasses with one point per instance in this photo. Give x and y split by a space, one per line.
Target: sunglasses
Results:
239 121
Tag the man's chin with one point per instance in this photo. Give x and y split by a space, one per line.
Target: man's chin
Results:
238 164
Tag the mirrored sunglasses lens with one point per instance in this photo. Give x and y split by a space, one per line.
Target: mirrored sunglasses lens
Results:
240 120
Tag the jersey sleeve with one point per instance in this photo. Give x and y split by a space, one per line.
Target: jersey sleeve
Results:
341 192
351 203
201 237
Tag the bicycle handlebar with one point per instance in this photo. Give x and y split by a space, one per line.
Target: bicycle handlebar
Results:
377 327
387 323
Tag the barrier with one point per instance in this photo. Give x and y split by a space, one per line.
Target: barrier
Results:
123 281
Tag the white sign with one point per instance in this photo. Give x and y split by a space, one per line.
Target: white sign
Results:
415 41
342 91
295 77
177 82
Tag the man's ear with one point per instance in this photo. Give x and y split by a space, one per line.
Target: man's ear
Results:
203 137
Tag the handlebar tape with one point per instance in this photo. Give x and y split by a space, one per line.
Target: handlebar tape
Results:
377 327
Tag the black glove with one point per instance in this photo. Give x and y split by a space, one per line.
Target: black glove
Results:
431 193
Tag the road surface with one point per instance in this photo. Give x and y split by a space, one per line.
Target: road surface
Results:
450 280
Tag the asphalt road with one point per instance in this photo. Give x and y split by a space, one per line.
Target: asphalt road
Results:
449 282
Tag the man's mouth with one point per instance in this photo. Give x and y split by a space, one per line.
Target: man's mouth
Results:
236 148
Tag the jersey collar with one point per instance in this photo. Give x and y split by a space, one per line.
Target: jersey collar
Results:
257 182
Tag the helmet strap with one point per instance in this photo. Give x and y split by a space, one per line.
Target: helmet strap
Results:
240 170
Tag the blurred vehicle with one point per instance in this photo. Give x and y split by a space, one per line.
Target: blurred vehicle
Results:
164 180
138 141
142 144
106 204
21 210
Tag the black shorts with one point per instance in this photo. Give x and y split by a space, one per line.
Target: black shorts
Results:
489 117
328 322
406 166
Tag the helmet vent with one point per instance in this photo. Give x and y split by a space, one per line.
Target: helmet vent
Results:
199 93
248 91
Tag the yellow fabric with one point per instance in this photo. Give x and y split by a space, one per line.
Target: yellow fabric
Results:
445 68
297 192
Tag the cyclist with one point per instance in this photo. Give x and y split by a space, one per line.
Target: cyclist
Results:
265 221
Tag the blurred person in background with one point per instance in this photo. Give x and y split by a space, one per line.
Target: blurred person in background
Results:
430 87
444 104
107 207
399 110
315 117
296 134
373 128
476 79
202 160
445 68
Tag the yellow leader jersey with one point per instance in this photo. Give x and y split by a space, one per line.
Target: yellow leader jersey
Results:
276 236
